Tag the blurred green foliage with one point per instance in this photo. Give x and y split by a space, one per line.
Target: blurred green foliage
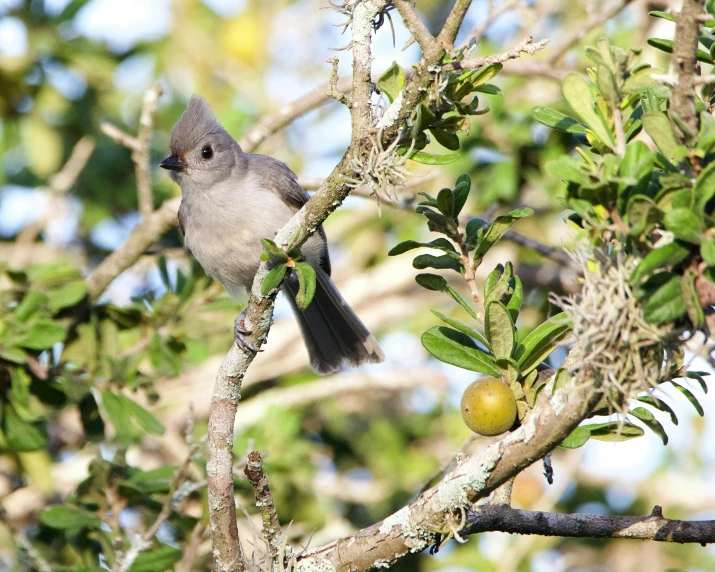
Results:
89 381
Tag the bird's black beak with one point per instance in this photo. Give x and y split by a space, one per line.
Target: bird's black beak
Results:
173 163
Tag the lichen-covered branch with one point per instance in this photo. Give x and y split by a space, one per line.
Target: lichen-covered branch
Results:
685 64
652 527
436 512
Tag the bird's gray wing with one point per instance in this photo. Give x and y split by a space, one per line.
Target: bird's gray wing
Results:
276 176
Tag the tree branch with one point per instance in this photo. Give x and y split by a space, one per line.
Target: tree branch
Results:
525 47
653 527
433 513
226 394
414 25
146 232
287 113
453 23
59 186
685 63
264 501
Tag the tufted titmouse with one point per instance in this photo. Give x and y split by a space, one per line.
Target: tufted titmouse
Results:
230 200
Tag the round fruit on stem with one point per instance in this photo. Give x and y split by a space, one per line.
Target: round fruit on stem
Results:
489 406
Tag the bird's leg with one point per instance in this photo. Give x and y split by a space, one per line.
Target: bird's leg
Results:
240 332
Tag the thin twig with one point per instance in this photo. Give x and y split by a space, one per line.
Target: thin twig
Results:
495 11
120 137
178 493
554 254
333 91
141 155
580 31
527 46
272 530
414 25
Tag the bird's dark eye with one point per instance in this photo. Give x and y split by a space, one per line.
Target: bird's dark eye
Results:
207 152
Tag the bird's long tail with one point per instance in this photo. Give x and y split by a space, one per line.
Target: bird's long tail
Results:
333 334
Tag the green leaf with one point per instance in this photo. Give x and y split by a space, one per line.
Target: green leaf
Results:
690 397
541 341
32 302
65 517
698 376
488 88
271 247
614 431
455 348
447 139
579 96
273 279
556 120
567 169
67 296
437 283
445 202
498 229
704 189
431 159
157 559
432 282
13 354
439 222
499 284
517 295
499 329
392 81
144 419
509 373
561 378
114 408
668 255
443 262
692 299
660 405
658 127
665 303
663 15
42 335
606 82
472 230
462 327
20 383
707 250
440 243
641 214
461 192
577 438
667 46
306 284
651 422
22 435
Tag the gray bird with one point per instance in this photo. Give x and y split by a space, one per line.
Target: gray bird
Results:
229 201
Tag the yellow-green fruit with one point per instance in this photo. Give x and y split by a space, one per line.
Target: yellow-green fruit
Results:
488 406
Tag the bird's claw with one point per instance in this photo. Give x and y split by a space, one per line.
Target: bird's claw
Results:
240 332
